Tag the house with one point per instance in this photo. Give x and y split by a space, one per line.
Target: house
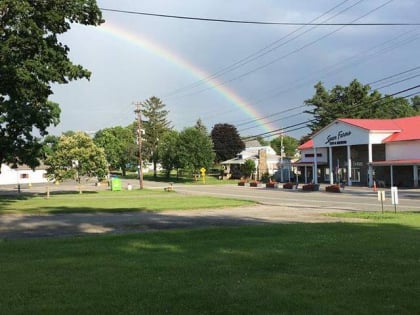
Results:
265 158
364 152
22 175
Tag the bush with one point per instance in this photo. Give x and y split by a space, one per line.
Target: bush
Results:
333 188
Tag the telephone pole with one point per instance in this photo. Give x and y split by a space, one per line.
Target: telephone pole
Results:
137 111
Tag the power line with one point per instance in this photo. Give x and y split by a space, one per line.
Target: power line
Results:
265 50
287 54
202 19
290 128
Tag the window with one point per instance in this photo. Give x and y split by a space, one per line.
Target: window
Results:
355 175
24 176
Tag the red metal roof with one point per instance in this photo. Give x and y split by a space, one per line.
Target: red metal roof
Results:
307 145
373 124
404 129
410 129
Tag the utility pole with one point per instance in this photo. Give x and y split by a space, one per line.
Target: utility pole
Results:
281 156
137 111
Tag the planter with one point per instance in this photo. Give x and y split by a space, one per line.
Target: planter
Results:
288 186
241 183
271 185
253 184
333 188
310 187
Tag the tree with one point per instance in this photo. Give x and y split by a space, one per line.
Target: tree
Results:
155 126
248 168
200 126
262 141
415 102
31 59
195 150
119 144
353 101
227 142
168 151
76 156
290 145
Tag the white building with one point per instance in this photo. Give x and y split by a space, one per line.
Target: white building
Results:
265 158
361 151
21 175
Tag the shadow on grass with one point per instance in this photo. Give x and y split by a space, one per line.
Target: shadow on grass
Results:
60 221
272 269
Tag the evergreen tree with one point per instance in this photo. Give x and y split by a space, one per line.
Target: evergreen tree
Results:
353 101
155 126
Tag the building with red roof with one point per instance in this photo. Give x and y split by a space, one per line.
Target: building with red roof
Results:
361 151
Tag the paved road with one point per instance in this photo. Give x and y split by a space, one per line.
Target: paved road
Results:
353 198
275 206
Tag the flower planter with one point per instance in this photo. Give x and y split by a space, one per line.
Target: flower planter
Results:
271 185
241 183
253 184
310 187
333 188
288 186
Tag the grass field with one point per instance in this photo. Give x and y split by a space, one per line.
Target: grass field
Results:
359 268
110 201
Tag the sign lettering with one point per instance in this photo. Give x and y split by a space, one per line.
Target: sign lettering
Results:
338 138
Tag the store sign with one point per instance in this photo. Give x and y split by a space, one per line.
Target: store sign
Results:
339 138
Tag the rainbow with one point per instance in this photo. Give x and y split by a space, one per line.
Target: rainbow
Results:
156 49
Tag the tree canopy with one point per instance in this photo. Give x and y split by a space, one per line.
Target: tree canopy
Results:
353 101
119 144
195 149
227 142
31 59
77 156
168 151
290 145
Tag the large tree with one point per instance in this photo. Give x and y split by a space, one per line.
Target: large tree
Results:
155 125
290 145
353 101
75 157
168 151
31 59
120 146
227 142
195 150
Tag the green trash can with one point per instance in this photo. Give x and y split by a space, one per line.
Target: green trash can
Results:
116 184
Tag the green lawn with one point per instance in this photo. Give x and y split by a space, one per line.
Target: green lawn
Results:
111 201
358 268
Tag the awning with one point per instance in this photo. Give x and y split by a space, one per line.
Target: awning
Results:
233 161
396 162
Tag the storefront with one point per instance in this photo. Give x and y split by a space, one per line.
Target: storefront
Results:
361 151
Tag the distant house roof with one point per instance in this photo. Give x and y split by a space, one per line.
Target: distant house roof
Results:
252 144
403 129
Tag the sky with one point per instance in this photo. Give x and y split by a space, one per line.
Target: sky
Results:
255 77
